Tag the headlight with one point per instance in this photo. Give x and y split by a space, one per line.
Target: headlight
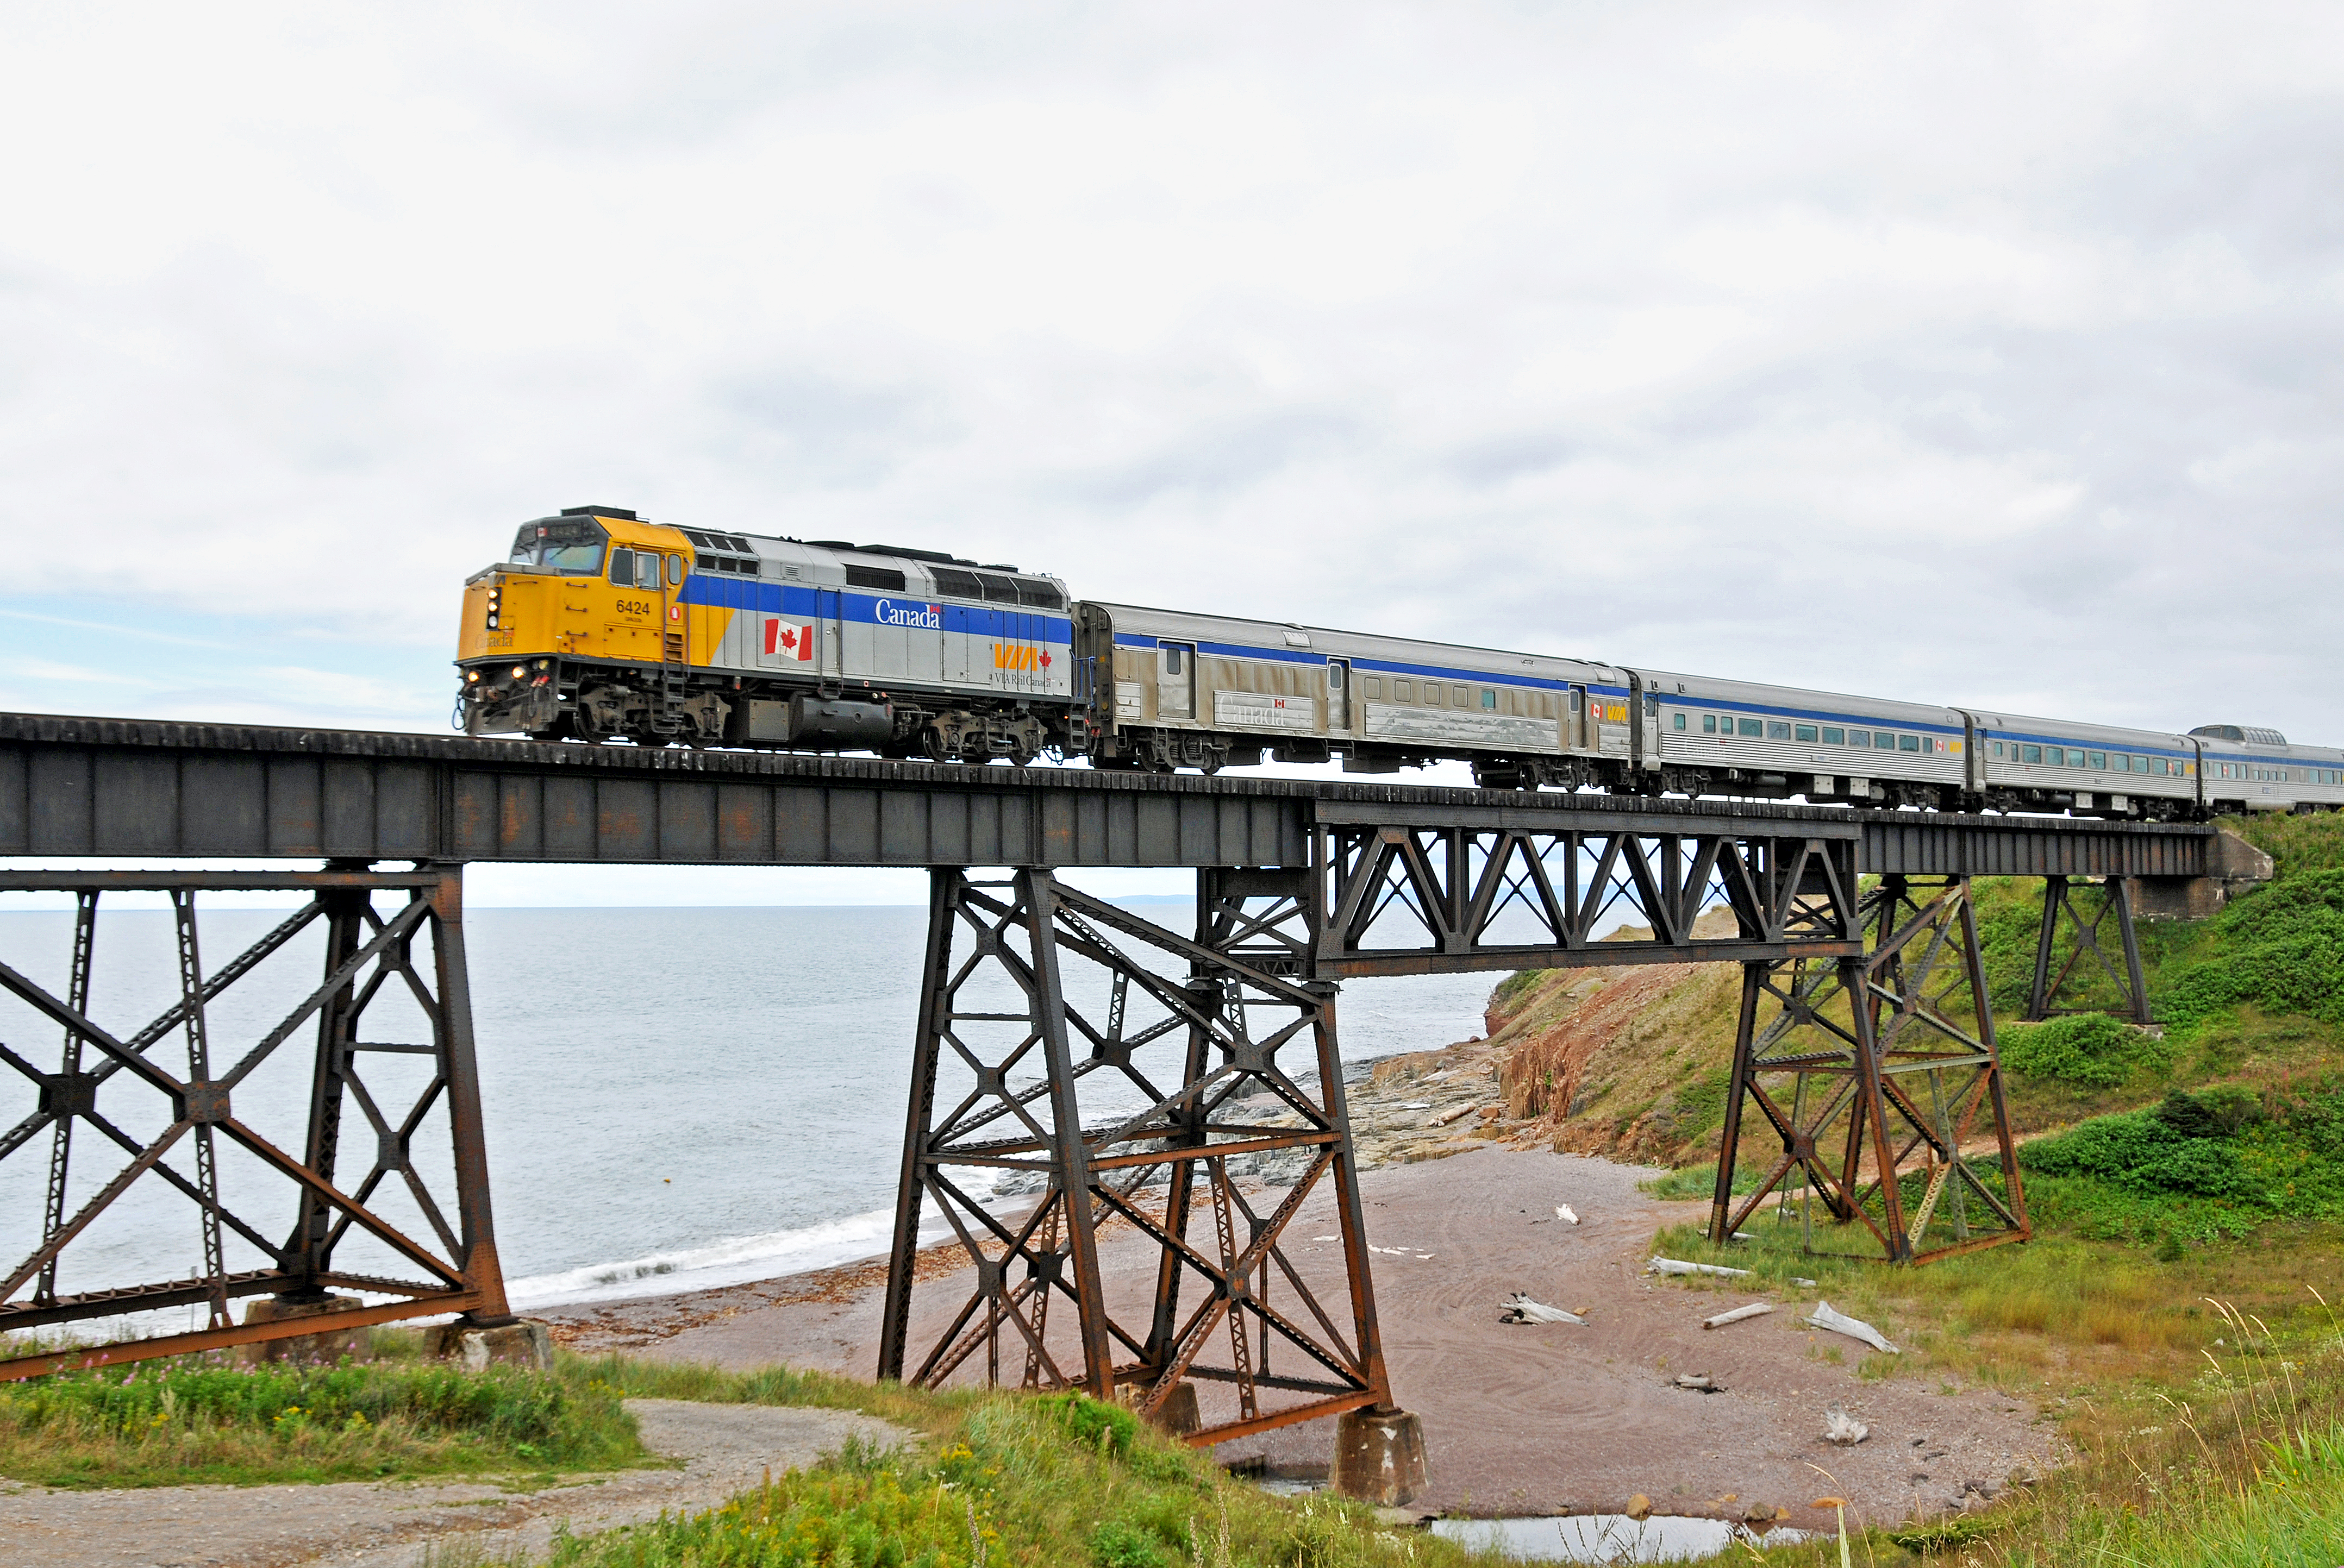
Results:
472 675
519 671
492 621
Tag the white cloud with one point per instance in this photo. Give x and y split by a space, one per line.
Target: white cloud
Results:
1953 352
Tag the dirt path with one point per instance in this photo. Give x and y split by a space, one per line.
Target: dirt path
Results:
727 1447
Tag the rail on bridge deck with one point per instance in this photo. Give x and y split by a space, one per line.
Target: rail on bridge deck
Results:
1064 1043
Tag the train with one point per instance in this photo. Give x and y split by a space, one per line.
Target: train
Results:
604 627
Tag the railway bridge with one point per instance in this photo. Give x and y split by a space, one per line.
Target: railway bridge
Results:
1061 1037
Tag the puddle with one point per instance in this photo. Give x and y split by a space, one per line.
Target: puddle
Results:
1606 1537
1278 1485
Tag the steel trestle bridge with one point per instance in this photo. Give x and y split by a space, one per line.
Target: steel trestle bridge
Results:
1108 1081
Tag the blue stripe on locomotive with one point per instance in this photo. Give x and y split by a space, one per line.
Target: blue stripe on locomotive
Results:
719 592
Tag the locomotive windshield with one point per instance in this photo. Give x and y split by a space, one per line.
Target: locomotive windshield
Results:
570 546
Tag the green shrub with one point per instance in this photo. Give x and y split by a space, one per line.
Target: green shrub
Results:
1119 1544
2141 1153
2282 948
1105 1427
2090 1049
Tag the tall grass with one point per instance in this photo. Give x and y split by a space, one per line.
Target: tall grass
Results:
188 1420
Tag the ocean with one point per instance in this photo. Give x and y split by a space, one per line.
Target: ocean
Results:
674 1097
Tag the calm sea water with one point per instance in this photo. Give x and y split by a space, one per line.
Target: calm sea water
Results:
675 1098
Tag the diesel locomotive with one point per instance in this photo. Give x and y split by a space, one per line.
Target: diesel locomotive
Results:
603 625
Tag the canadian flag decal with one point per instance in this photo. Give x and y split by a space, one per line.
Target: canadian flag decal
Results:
788 639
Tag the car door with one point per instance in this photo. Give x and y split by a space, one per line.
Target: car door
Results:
1176 682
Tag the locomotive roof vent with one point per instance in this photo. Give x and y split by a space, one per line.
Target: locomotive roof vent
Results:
620 512
2241 732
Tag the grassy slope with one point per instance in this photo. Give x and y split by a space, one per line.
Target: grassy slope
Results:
1054 1480
168 1424
2152 1245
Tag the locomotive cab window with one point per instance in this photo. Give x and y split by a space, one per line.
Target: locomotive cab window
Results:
570 546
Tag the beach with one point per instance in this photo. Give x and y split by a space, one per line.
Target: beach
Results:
1518 1419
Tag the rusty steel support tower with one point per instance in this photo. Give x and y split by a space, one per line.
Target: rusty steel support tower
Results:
1045 999
283 1195
2122 970
1880 1077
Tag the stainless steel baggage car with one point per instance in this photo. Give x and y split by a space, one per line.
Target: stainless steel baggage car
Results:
1177 690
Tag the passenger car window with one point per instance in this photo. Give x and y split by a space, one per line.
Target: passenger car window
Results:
1458 695
1433 694
1752 726
1834 737
2099 760
1405 690
1489 700
1859 738
1709 724
1375 685
1806 732
1172 661
1908 743
2031 754
1680 723
1777 731
1883 740
1997 749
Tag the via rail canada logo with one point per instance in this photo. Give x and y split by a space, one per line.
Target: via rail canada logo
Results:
1014 655
923 617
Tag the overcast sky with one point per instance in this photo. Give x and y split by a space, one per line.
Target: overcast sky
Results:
1981 354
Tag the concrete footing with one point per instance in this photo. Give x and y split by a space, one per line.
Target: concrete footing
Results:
1177 1416
1379 1457
328 1345
2233 867
523 1342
